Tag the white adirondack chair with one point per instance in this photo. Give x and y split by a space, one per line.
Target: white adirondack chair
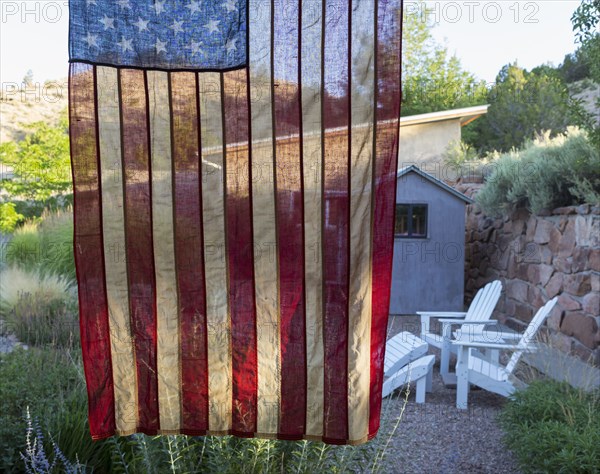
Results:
471 368
480 310
405 361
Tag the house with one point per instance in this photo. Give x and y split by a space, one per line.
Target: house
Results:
429 244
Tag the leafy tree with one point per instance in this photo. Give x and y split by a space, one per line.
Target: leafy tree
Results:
522 104
586 21
574 67
40 163
433 80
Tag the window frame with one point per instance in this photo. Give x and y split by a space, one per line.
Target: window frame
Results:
410 234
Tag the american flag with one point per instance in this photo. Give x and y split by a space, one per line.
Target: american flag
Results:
234 182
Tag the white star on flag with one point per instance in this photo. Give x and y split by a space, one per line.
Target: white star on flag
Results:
92 40
124 4
212 25
108 22
177 26
160 46
230 45
229 5
194 7
159 7
142 24
125 44
90 2
195 47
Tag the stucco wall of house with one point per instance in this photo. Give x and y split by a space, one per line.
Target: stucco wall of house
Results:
424 144
428 274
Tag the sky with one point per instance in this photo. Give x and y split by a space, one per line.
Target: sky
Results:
485 35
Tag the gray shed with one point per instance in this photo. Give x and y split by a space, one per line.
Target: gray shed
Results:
429 244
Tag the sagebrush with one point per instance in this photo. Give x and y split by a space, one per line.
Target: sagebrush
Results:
547 173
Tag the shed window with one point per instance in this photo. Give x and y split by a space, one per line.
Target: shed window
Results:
411 220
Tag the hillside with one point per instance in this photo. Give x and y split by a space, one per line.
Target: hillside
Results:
43 102
589 93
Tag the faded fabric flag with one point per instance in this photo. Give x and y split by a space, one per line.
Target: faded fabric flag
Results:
234 175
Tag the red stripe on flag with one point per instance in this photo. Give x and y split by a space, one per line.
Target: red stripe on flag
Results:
138 240
189 251
387 74
240 253
290 219
89 250
336 208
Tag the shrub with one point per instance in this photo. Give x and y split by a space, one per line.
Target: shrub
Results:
552 427
40 379
9 217
545 174
38 309
36 459
457 155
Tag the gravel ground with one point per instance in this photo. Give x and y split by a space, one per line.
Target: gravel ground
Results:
435 437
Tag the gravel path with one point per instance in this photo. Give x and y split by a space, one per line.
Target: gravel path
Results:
435 437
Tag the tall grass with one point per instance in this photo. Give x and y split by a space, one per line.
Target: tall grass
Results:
38 308
553 427
24 248
232 455
58 374
45 244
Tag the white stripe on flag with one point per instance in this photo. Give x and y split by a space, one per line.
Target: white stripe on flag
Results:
113 223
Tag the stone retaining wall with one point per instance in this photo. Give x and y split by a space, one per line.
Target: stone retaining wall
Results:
537 258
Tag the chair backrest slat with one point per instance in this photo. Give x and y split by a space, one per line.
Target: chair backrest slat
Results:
530 333
485 301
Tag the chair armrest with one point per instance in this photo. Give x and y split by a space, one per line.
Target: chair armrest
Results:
466 321
512 336
442 314
495 345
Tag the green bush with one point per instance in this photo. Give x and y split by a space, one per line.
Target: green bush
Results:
41 379
552 427
38 460
9 217
38 309
546 173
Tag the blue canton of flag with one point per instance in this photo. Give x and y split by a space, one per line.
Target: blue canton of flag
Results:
200 35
